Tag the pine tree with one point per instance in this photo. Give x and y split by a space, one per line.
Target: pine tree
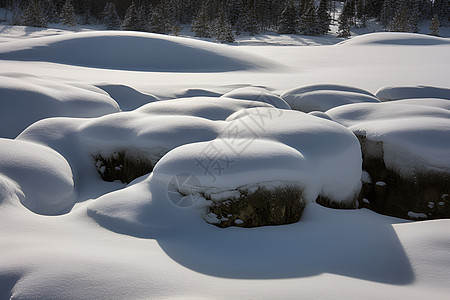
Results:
160 21
224 33
361 12
110 17
434 25
201 25
34 15
323 17
400 22
308 21
414 16
288 20
344 26
67 15
248 21
387 13
131 20
51 12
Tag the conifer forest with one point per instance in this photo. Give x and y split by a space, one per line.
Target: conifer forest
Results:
225 19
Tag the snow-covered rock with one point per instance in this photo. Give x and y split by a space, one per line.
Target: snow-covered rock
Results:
258 94
270 149
407 148
36 175
322 97
34 99
212 108
389 93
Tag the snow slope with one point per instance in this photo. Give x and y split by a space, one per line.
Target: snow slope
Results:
116 241
134 51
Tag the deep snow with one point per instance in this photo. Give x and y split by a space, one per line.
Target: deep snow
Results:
131 241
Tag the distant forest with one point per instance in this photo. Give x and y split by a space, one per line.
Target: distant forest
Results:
225 19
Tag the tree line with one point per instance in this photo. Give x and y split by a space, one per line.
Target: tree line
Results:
223 20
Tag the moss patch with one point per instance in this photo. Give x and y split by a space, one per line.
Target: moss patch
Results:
282 205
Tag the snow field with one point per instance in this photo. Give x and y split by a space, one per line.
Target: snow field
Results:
118 241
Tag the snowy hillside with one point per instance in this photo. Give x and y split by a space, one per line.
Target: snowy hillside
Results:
137 166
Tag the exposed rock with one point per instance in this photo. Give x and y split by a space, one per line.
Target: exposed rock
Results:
327 202
122 165
282 205
392 194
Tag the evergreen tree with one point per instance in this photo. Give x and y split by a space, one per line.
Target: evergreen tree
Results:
414 16
248 21
201 25
387 13
323 17
51 12
434 25
344 26
361 12
400 22
34 15
160 21
288 20
224 34
132 19
308 21
67 15
441 9
110 17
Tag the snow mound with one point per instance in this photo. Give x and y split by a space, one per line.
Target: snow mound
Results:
396 39
260 145
324 97
211 108
37 175
132 51
262 161
389 93
127 97
322 87
415 138
151 135
33 99
257 94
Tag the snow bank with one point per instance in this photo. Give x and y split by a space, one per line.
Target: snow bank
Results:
389 93
33 99
134 51
322 97
396 39
43 176
415 138
258 94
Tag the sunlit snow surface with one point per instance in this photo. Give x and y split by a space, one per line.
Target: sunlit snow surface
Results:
66 234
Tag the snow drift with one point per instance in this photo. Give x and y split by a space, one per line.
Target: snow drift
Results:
37 175
133 51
